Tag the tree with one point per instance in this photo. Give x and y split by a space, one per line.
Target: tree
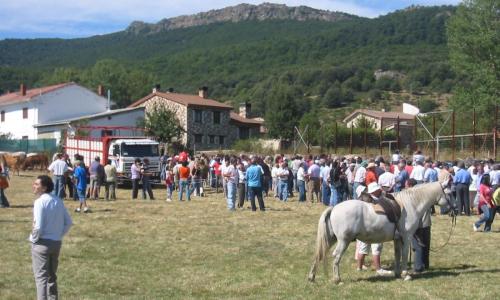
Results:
362 122
281 114
474 43
162 124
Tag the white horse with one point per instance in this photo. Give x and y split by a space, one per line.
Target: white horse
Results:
354 219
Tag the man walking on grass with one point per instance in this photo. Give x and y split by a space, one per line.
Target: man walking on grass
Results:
51 222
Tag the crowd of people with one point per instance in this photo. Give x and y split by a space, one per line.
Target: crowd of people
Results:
324 179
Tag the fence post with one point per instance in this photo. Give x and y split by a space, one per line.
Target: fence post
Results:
453 136
365 138
397 134
474 132
381 135
434 148
350 140
495 130
336 135
415 132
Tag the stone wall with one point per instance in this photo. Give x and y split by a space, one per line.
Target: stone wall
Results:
207 128
179 109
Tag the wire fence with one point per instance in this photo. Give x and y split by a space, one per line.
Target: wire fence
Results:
48 146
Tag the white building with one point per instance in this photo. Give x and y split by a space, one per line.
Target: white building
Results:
21 111
120 122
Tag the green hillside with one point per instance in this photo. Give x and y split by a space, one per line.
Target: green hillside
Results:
322 64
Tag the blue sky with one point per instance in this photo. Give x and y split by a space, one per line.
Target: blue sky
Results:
82 18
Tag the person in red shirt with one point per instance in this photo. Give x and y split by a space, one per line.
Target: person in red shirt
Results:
218 174
409 167
371 176
485 205
184 174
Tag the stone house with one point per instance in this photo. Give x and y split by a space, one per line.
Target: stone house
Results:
380 118
208 124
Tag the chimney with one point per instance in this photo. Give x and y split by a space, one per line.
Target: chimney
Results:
156 88
245 109
100 90
22 90
203 92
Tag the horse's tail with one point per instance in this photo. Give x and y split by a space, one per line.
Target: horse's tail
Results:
324 241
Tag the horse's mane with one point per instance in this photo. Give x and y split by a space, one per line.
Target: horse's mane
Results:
419 192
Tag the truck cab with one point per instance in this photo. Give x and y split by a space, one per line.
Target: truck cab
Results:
123 152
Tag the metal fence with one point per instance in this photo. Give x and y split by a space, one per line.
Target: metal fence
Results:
40 145
443 135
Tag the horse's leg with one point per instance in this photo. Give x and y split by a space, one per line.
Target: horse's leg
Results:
312 271
397 256
404 262
339 251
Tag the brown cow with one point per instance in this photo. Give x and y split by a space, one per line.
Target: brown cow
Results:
36 161
15 161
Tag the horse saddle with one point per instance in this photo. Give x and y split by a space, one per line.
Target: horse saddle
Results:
388 206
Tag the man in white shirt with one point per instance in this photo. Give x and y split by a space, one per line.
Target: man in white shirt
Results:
230 174
314 184
418 172
387 180
325 185
51 222
359 177
58 168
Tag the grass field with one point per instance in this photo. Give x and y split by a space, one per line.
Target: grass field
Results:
198 250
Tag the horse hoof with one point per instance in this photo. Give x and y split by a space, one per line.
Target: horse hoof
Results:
311 278
407 278
337 282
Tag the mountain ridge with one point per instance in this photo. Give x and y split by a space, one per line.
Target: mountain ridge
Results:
239 13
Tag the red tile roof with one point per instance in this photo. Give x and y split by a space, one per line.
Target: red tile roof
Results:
16 97
239 119
184 99
380 114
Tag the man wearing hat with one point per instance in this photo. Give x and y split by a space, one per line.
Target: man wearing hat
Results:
371 175
375 192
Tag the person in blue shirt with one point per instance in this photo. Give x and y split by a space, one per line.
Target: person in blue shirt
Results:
80 177
462 181
253 177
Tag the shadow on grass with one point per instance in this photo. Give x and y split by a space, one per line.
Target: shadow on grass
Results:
436 273
21 206
15 221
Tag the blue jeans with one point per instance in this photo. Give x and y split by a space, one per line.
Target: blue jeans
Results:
170 190
487 217
58 186
325 193
231 195
283 190
196 185
184 185
302 190
334 197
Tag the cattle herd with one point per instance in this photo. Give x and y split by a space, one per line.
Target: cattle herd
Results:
21 161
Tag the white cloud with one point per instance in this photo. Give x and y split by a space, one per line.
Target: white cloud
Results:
88 17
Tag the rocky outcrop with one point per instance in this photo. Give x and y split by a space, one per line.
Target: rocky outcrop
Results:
239 13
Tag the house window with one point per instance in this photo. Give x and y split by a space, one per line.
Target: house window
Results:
216 117
244 133
197 116
25 137
106 133
212 139
221 140
25 113
198 138
2 116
